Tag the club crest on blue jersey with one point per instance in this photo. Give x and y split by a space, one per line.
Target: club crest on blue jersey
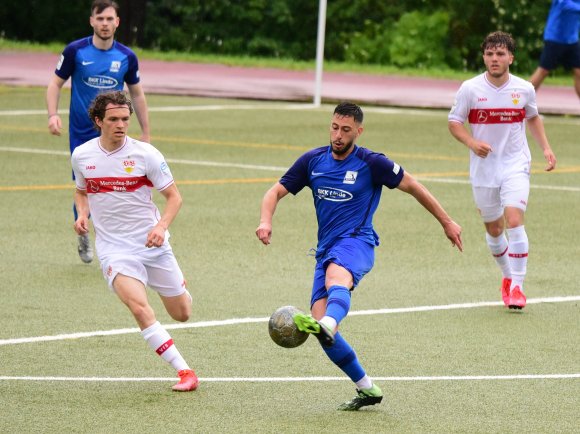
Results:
115 66
333 194
350 177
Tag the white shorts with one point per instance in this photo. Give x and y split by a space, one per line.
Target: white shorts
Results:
491 201
156 268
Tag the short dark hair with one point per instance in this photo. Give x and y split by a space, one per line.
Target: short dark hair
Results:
499 39
99 6
99 105
349 109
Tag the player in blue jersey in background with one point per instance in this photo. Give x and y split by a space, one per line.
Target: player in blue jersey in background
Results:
346 182
95 64
561 43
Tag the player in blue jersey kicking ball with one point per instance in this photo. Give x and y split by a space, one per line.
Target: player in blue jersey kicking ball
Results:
346 182
94 64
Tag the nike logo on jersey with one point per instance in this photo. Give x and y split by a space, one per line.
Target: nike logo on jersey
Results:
87 63
317 173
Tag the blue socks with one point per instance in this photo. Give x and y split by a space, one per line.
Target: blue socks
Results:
341 353
343 356
338 303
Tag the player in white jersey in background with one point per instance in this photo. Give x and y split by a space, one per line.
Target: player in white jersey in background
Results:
114 177
497 106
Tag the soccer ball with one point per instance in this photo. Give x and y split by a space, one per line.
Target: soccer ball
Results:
283 330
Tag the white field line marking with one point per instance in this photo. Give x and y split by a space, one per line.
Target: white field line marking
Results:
211 107
216 107
274 168
441 113
299 379
235 321
236 165
466 181
34 151
296 106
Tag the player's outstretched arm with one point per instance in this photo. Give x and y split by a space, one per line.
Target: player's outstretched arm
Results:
81 225
536 127
52 98
269 203
173 201
452 230
141 110
461 134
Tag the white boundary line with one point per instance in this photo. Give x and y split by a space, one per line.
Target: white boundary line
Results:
437 112
235 321
273 168
300 379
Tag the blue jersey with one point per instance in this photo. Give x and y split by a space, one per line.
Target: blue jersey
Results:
346 192
93 71
563 22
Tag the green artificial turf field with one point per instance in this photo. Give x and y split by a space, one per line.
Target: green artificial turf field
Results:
427 322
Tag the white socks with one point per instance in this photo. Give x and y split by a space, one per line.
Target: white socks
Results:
364 383
518 255
160 341
499 249
329 322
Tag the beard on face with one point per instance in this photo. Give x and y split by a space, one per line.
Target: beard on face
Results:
106 37
342 151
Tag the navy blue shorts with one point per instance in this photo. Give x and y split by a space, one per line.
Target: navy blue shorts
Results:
555 54
355 255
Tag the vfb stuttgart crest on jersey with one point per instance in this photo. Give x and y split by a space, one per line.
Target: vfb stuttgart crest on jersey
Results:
129 165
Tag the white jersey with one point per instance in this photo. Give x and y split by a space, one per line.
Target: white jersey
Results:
119 188
496 115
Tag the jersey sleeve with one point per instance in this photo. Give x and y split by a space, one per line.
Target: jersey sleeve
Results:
531 106
80 181
384 171
460 110
296 178
570 6
158 171
66 64
132 74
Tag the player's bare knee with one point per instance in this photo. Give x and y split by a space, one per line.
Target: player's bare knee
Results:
181 315
143 313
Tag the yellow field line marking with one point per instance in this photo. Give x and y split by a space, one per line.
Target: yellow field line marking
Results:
183 182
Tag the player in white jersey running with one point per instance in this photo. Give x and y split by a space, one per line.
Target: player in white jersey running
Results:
114 177
497 106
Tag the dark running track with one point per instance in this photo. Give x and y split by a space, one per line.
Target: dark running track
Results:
208 80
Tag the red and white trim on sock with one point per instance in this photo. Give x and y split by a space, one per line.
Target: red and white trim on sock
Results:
160 341
518 255
499 249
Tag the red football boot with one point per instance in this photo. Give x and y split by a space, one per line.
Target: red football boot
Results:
505 290
517 299
187 381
